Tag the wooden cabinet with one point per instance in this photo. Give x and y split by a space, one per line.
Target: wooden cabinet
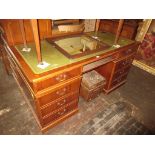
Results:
55 103
53 97
129 27
117 70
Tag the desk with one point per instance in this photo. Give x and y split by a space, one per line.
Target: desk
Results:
54 91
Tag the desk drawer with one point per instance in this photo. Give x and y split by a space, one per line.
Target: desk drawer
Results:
123 63
58 104
60 113
121 72
118 80
128 51
61 91
58 78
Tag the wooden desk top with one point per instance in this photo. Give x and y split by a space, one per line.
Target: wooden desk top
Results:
28 61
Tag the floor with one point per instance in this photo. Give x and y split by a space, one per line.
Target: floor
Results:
128 110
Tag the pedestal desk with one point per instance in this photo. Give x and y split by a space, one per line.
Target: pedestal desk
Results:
54 91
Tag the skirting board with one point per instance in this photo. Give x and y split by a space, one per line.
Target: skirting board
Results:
145 67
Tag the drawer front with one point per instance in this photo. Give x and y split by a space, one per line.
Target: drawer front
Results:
124 63
58 104
121 72
12 62
59 92
10 57
128 51
58 78
60 113
118 80
23 84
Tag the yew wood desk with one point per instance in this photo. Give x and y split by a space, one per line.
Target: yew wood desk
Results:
54 91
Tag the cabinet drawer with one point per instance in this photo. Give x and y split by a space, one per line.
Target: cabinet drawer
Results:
123 63
61 91
128 51
58 78
118 80
121 72
60 113
131 50
58 104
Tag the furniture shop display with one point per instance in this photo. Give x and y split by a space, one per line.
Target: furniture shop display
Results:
53 90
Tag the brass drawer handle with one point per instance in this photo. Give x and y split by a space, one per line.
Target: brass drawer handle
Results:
61 77
61 103
61 113
61 92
